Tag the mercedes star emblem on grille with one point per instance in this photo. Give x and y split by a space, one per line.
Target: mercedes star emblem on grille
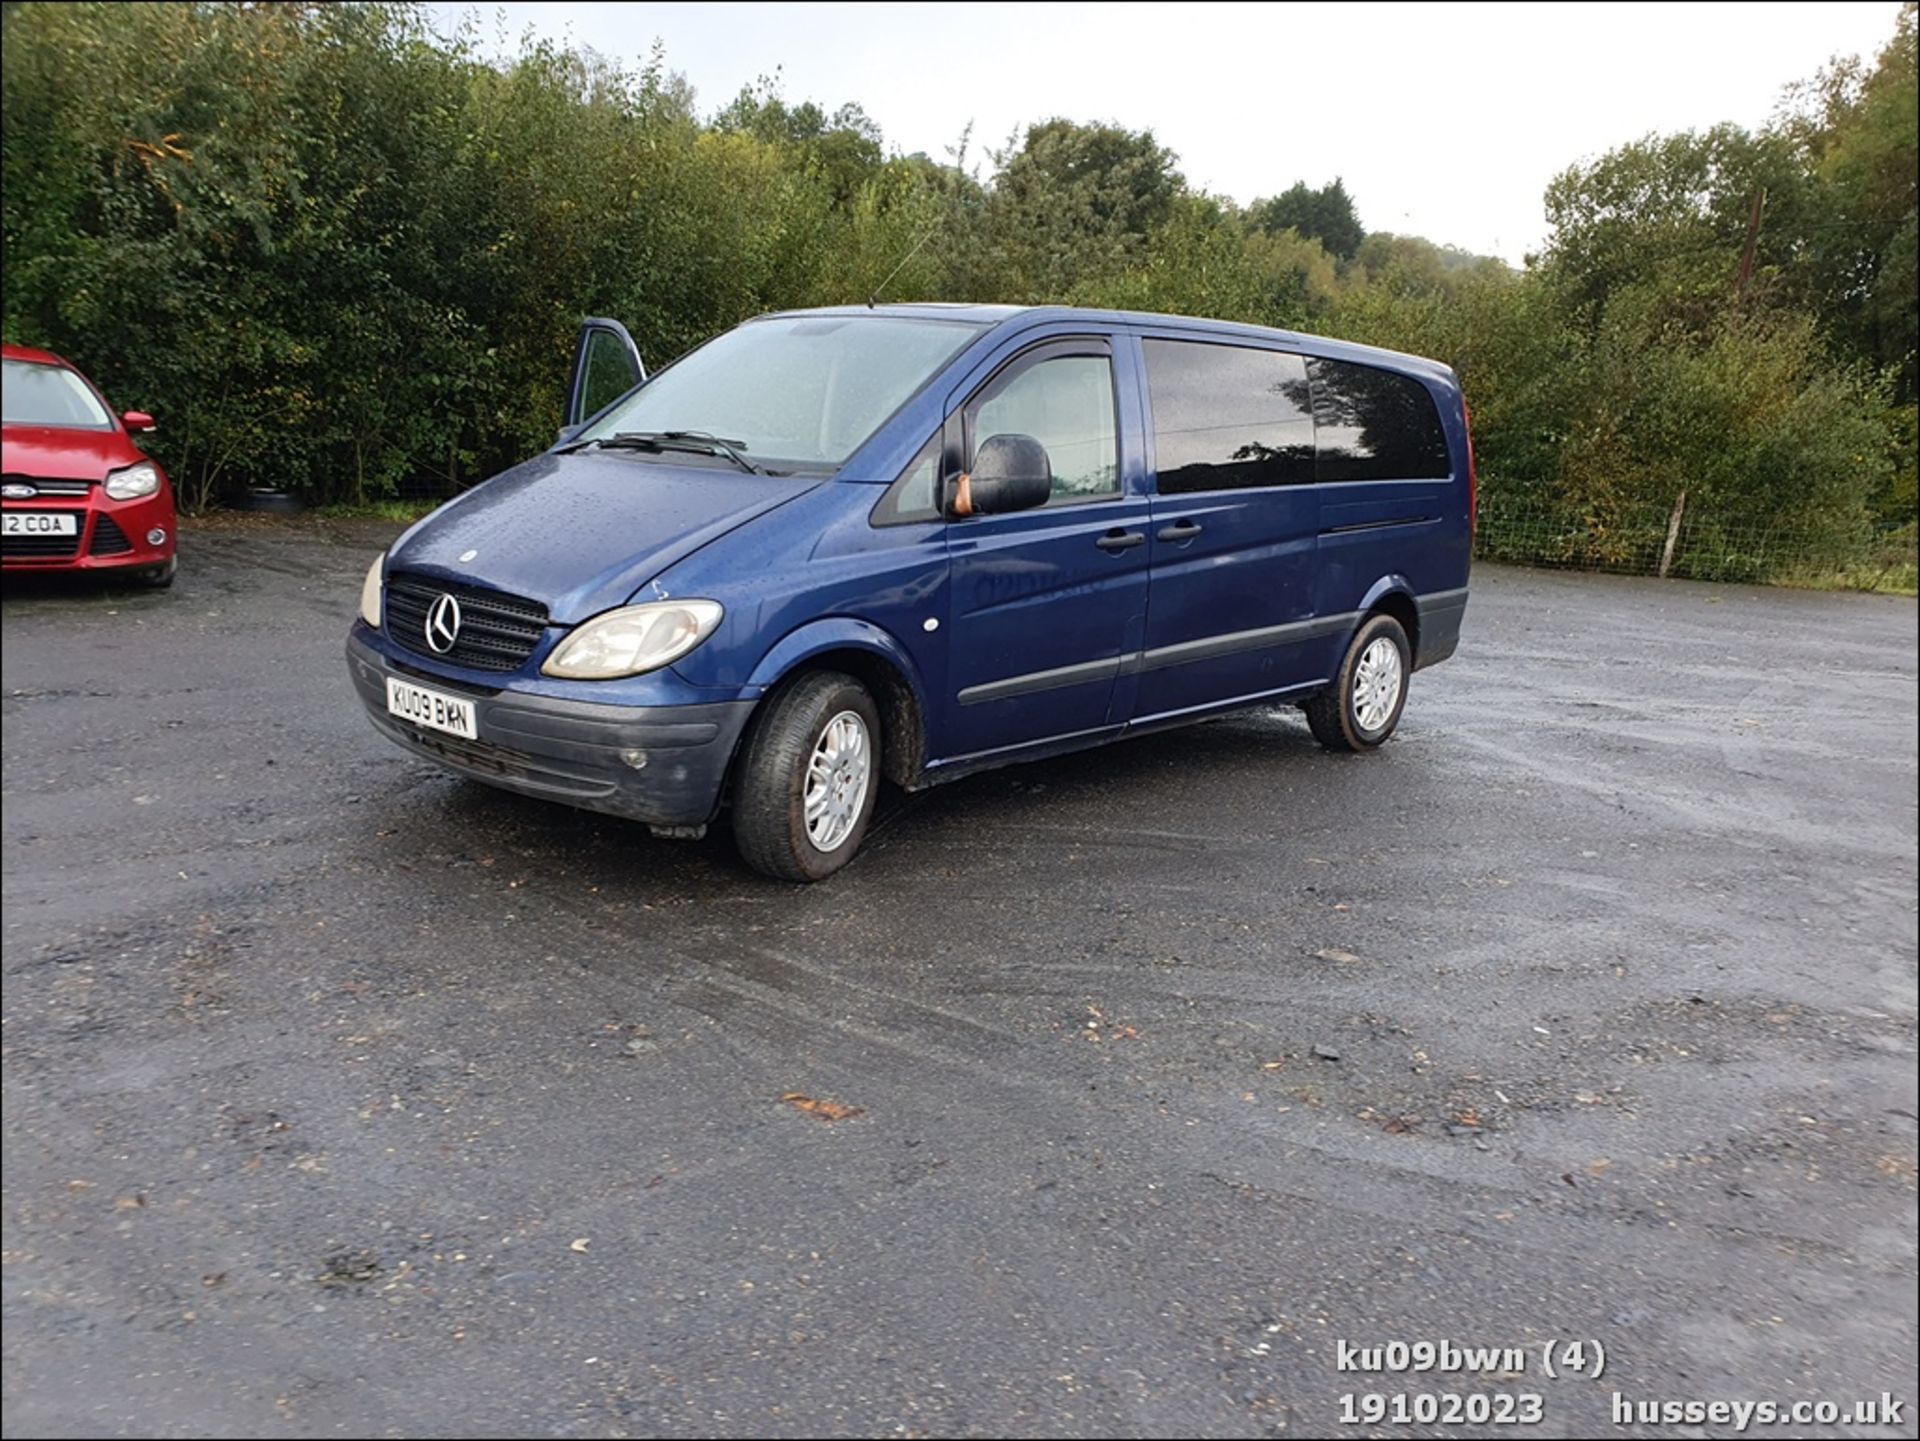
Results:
443 624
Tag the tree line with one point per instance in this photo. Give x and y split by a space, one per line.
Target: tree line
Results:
338 252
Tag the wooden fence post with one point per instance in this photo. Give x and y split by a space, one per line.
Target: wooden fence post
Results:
1673 534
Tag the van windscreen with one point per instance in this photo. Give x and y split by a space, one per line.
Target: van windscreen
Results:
798 391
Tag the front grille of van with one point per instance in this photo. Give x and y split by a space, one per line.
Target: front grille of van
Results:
497 631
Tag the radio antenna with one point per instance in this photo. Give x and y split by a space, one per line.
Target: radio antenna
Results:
925 236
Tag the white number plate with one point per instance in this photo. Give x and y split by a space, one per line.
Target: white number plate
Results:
450 713
38 522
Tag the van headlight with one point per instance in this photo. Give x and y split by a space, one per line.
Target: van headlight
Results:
370 591
142 478
633 639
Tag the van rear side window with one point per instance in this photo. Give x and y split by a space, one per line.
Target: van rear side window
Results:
1375 424
1228 416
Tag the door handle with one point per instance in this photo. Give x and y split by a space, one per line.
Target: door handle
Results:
1121 540
1181 530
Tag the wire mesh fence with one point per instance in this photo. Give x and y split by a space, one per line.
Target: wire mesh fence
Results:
1704 546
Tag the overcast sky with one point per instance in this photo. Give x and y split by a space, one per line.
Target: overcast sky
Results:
1445 120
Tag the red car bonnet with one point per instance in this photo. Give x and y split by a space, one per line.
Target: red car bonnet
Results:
63 454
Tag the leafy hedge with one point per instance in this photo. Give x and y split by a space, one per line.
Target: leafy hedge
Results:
337 252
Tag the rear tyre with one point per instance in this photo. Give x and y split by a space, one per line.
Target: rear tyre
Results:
158 577
1362 706
808 778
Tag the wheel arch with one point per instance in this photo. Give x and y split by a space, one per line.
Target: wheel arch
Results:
874 658
1391 595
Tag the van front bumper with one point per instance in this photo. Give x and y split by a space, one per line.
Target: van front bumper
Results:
663 765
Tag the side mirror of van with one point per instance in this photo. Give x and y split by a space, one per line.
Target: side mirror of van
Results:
1010 472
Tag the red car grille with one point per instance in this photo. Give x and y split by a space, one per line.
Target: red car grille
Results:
108 538
50 487
45 547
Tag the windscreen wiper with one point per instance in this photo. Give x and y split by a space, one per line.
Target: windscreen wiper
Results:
699 442
734 450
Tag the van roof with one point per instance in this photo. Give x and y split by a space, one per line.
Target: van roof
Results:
1022 317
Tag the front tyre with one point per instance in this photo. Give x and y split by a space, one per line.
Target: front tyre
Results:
158 577
808 778
1362 706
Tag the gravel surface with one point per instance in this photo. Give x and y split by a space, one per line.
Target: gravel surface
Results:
1102 1096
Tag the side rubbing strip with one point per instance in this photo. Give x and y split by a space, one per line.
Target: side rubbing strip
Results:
1232 642
1039 680
1187 651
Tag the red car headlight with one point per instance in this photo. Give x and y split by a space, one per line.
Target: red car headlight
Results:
142 478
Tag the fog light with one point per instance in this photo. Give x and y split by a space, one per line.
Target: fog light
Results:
156 536
636 759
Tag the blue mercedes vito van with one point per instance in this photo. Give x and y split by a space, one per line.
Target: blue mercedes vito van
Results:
909 542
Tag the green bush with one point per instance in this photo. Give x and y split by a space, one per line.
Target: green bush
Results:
337 252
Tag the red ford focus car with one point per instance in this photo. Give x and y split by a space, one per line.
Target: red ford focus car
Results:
77 493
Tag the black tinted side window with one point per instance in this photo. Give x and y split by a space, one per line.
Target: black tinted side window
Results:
1226 416
1375 424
